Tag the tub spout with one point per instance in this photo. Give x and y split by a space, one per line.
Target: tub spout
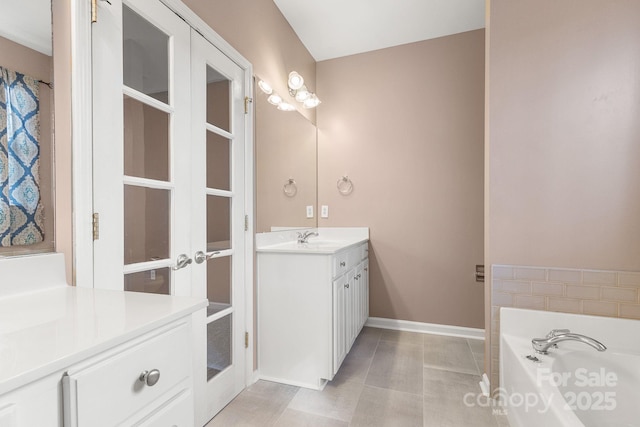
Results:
541 345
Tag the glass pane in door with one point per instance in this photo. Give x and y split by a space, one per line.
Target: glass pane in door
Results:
218 103
218 223
146 224
218 284
152 281
146 141
145 56
218 162
219 344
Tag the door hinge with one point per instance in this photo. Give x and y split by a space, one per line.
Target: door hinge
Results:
246 340
94 10
96 226
247 101
246 223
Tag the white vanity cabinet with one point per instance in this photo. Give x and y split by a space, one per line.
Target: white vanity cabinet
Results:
312 303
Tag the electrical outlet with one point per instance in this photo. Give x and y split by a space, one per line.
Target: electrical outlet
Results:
324 212
152 275
309 211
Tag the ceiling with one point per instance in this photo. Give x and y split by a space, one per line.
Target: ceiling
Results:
27 22
334 28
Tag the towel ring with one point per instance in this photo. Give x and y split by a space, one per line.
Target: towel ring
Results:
345 186
290 188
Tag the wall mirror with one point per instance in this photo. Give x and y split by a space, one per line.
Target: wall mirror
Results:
286 167
26 127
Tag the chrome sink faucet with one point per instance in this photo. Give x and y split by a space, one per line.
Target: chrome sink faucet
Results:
304 237
542 345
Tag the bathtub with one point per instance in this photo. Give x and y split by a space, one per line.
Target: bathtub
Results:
574 385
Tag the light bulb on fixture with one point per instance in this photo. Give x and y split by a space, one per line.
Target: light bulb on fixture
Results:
311 102
265 87
295 81
302 94
275 99
283 106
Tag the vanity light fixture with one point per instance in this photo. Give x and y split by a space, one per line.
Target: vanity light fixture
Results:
299 91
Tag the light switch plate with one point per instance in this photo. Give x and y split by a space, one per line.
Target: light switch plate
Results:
309 211
324 212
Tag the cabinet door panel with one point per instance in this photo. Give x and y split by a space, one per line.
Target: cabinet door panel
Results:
339 324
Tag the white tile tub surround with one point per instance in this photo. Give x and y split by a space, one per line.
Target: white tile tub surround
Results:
603 293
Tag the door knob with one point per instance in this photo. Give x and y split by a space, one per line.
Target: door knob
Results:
182 261
201 257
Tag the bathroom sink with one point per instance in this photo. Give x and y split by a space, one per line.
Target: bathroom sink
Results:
321 244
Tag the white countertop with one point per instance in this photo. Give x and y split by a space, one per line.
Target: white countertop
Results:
45 331
329 241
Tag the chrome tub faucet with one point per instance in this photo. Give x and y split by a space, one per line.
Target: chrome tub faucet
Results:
542 345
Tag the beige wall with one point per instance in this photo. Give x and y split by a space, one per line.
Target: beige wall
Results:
285 148
261 34
27 61
406 125
562 134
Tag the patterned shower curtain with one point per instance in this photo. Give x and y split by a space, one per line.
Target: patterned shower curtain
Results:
21 212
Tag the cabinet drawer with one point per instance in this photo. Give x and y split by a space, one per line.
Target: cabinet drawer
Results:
355 256
340 263
178 412
109 391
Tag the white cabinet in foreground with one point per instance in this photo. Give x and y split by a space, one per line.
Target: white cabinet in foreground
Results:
145 377
311 307
72 356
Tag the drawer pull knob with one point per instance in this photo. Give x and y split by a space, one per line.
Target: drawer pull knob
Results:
346 286
150 378
342 264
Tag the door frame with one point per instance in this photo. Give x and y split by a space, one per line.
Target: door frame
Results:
82 152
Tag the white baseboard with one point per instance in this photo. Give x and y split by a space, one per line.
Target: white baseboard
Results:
426 328
485 385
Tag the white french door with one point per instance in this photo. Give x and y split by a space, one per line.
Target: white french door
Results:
141 130
218 209
169 178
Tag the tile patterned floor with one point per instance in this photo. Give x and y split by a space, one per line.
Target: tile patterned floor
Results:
389 378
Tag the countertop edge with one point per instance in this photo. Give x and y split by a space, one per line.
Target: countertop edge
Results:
318 251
